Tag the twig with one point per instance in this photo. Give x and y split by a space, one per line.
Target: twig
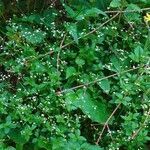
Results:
58 55
64 46
93 30
126 11
147 117
106 123
53 2
95 81
117 11
136 133
109 131
141 127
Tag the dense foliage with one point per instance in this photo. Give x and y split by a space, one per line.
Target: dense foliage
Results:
74 75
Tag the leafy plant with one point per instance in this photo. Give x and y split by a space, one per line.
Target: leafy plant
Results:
74 75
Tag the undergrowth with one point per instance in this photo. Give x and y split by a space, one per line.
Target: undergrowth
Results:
74 75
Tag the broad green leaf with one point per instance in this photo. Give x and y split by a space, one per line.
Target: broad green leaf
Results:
33 36
134 16
70 11
93 12
94 109
37 67
48 17
35 18
115 3
71 101
105 85
116 63
14 134
10 148
79 61
138 54
72 29
8 119
102 4
43 143
70 72
87 146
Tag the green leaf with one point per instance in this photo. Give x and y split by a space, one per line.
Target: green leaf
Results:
102 4
87 146
14 134
37 66
116 63
134 16
33 36
48 17
79 61
92 12
35 18
70 72
138 54
115 3
71 101
95 110
10 148
8 119
72 29
70 11
43 143
105 85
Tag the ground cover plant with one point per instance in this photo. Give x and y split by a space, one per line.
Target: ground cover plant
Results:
74 74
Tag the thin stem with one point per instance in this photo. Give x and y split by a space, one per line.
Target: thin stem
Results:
106 123
95 81
91 32
126 11
109 131
58 55
141 127
117 11
66 45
